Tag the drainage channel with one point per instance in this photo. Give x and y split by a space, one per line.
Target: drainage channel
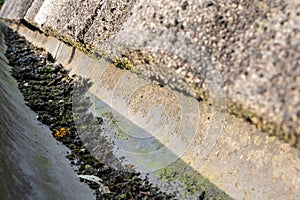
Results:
32 164
118 158
191 148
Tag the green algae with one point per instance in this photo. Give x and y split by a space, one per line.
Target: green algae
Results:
124 63
243 111
239 109
68 40
193 184
119 133
119 62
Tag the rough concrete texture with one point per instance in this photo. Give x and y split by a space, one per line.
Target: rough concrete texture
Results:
249 49
32 164
254 45
87 22
32 10
241 161
15 10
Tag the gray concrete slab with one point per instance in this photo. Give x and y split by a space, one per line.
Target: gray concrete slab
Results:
86 22
33 10
15 10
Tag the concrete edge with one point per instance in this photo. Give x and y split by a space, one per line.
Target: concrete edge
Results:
236 108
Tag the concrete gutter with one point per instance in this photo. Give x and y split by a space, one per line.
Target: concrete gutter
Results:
234 155
32 164
237 57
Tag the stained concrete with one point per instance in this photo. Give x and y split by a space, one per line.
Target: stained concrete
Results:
246 50
32 164
232 154
239 56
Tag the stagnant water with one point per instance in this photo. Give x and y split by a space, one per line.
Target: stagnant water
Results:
32 164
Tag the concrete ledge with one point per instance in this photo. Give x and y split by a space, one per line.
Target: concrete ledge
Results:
247 51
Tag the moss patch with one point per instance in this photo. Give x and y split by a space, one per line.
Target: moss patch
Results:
124 63
193 183
274 129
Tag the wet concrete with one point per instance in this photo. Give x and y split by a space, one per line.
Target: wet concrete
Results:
32 164
232 154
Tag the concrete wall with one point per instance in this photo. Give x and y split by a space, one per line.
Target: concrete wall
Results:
246 51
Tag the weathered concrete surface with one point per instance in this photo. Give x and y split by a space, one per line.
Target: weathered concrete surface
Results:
240 160
252 46
32 164
32 10
16 9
